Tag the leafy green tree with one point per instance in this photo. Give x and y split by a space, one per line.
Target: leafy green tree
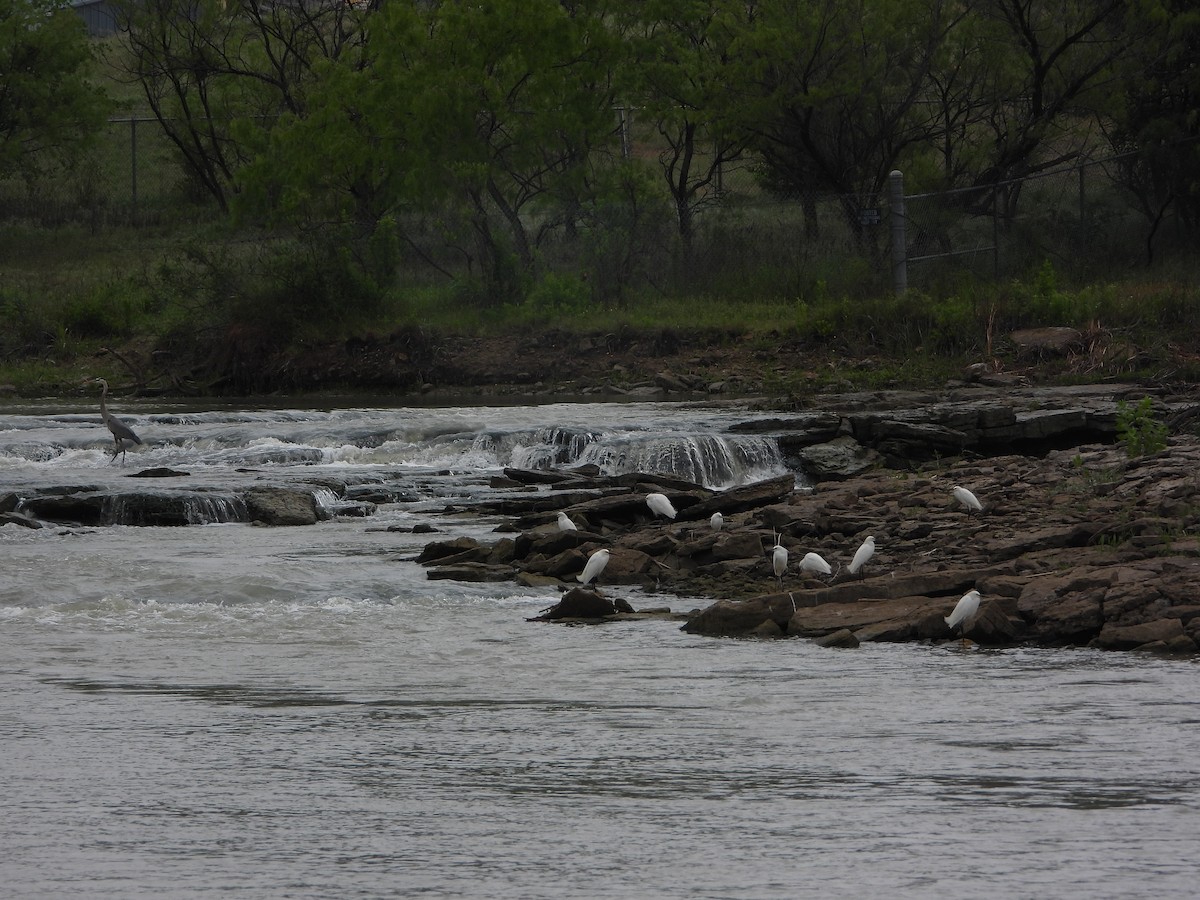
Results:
492 112
216 72
48 107
836 92
1049 66
1157 128
680 84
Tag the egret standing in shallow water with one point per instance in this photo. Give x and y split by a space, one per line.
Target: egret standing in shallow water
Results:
967 499
865 551
120 431
565 523
966 607
660 505
595 565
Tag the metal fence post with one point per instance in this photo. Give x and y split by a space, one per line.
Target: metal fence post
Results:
899 238
995 232
133 212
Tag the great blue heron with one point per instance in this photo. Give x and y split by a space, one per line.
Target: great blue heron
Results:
120 431
865 551
595 565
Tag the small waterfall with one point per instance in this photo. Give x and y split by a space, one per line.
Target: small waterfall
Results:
715 461
214 509
327 502
542 448
163 509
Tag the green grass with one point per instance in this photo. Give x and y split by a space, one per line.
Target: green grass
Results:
68 292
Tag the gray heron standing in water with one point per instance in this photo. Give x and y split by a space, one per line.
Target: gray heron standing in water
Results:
120 431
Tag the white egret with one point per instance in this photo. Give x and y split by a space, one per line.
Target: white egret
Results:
814 562
779 558
565 523
966 607
660 505
967 499
865 551
717 521
120 431
595 565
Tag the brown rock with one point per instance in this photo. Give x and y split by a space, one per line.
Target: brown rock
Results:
579 603
1116 637
842 638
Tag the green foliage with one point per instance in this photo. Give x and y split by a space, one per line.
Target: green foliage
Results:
48 107
1138 429
557 296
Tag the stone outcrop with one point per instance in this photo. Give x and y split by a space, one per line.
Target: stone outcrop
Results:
1079 547
852 432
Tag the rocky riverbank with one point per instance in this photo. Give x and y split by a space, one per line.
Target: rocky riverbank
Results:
1077 544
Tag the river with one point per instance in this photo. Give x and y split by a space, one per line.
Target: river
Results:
229 710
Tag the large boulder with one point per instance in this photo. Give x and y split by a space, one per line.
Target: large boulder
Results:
281 506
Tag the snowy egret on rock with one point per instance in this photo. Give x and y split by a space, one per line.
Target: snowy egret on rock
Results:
814 562
865 551
966 607
967 499
660 505
595 565
565 523
779 558
717 521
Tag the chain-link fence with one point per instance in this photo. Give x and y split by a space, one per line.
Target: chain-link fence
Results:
129 175
741 235
1081 218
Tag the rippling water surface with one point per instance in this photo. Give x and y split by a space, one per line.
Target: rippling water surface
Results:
233 711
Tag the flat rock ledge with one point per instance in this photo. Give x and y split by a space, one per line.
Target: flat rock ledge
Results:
1079 547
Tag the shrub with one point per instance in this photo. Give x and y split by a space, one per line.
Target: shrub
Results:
1139 430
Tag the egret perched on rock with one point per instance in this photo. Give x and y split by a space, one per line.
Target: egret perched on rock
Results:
779 558
967 499
865 551
717 521
565 523
814 562
660 505
120 431
966 607
595 565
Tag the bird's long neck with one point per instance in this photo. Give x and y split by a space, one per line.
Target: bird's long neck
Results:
103 405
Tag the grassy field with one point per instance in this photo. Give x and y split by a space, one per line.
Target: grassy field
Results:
70 296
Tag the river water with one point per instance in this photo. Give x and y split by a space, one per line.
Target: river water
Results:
227 710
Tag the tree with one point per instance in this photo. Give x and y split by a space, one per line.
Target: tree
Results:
1157 128
1055 69
681 86
491 111
48 108
210 68
836 92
